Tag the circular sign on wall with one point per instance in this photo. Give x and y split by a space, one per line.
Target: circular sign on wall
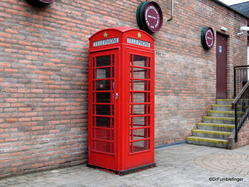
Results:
40 3
207 37
149 17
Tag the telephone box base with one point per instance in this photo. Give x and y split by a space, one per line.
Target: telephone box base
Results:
125 172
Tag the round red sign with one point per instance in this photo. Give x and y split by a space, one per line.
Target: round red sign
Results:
207 37
153 17
149 16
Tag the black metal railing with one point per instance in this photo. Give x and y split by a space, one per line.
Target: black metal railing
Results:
241 109
241 76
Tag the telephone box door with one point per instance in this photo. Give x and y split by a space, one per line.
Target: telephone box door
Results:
141 104
102 104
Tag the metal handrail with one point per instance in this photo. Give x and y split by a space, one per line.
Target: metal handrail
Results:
241 107
240 93
241 75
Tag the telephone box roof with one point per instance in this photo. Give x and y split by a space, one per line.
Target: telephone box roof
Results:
123 30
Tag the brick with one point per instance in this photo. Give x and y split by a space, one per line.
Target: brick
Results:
10 70
11 119
243 136
37 118
11 100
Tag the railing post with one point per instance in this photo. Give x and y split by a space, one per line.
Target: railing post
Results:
236 123
234 81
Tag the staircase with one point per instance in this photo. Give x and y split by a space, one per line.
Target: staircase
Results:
216 127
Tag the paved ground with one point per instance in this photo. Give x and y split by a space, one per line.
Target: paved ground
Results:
180 165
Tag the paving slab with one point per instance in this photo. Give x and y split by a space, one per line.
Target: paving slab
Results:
180 165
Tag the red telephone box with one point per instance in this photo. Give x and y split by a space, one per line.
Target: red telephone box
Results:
121 100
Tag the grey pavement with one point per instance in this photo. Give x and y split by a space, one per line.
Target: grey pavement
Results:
179 165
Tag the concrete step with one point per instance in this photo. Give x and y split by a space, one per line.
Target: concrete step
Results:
224 101
213 142
215 127
211 134
218 113
222 107
213 119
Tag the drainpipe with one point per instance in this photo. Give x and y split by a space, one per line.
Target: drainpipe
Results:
172 11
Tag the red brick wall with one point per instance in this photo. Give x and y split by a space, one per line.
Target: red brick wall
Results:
43 74
243 136
186 74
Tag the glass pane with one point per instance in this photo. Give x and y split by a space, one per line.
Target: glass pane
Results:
103 122
103 146
105 134
137 134
139 85
103 73
139 121
103 97
139 97
140 146
139 109
103 109
103 85
141 61
103 60
140 73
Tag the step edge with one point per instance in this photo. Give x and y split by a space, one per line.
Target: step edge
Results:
224 99
219 105
227 99
211 140
222 112
219 118
217 125
212 132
